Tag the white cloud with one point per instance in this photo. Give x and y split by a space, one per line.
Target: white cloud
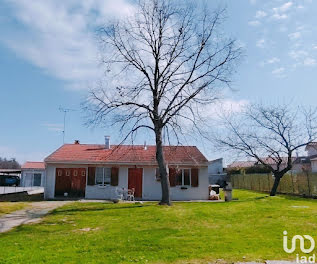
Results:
227 106
315 47
285 6
279 72
260 43
277 16
272 60
59 36
260 14
54 127
295 35
252 2
309 62
254 23
279 13
297 54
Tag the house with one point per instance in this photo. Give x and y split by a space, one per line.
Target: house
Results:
99 171
33 174
311 149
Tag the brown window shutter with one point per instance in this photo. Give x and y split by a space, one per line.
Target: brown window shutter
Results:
172 177
91 175
114 176
194 177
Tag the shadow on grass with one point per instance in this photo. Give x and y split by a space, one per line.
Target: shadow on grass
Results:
94 209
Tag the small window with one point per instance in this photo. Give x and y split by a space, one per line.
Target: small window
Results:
103 176
83 173
99 176
59 173
75 173
186 175
37 178
179 180
157 174
68 173
183 177
107 176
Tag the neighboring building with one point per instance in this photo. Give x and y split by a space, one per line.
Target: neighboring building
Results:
311 149
33 174
238 165
99 171
215 172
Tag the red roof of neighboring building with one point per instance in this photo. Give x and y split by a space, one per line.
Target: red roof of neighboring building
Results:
33 165
241 164
126 154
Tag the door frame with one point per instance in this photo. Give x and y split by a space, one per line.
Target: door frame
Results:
142 179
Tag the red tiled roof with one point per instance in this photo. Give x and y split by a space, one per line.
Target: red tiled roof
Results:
33 165
126 154
241 164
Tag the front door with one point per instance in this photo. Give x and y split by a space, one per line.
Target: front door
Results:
135 181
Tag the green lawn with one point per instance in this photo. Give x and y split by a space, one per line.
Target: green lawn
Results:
251 227
8 207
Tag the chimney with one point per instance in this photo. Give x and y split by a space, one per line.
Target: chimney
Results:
145 146
107 142
76 142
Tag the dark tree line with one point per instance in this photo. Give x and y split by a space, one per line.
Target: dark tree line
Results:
9 164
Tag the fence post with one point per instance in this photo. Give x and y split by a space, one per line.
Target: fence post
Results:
308 183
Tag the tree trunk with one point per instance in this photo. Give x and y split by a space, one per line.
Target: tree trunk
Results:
275 185
165 184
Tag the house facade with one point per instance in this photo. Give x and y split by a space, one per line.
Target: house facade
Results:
99 171
33 174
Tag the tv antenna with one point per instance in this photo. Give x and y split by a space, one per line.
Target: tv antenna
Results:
65 111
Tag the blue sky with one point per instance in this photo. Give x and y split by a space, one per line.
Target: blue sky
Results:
49 58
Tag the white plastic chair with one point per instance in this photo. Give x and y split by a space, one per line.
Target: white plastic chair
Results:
130 195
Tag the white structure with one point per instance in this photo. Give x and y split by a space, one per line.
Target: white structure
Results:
215 172
33 174
101 171
311 149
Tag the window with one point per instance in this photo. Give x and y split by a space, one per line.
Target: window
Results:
183 177
83 173
59 173
157 174
103 176
186 176
37 178
75 173
68 173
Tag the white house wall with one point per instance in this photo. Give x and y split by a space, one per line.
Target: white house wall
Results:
33 171
108 192
151 189
314 165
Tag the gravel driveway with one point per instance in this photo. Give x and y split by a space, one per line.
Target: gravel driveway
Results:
31 214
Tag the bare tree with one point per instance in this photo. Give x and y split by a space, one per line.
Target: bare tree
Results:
162 63
271 135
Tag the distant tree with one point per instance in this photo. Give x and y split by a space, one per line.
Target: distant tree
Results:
9 164
269 134
163 64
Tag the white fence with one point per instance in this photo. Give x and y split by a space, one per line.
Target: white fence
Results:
30 190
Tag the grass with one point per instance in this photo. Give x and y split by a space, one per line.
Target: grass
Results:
249 229
8 207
